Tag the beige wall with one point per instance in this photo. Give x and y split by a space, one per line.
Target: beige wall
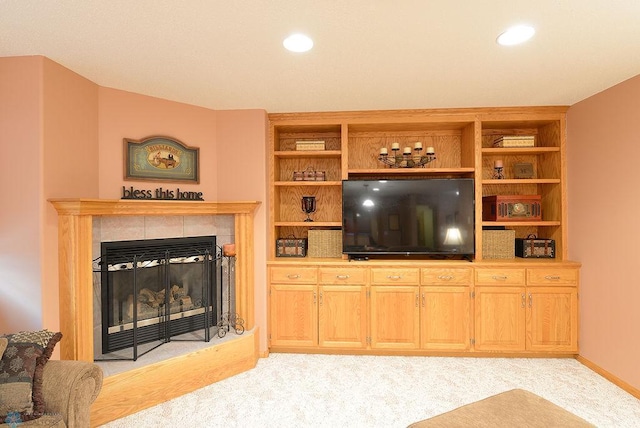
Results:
242 174
64 136
22 193
604 231
127 115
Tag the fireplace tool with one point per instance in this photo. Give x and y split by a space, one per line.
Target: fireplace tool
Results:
229 319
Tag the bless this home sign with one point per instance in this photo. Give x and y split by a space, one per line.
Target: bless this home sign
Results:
160 159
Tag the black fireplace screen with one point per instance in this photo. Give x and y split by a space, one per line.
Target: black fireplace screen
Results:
156 289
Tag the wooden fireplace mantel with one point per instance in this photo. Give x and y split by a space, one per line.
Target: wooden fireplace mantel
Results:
75 217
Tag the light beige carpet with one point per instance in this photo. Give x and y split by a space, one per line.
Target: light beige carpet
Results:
293 390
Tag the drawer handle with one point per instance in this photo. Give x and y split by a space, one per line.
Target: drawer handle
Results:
500 277
445 277
552 277
342 276
523 301
394 277
293 276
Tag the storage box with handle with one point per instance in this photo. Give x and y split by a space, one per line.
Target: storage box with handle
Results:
291 247
534 247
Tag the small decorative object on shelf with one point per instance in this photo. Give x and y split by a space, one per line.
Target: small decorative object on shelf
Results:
515 141
534 247
511 208
497 170
308 145
407 159
309 174
308 206
523 170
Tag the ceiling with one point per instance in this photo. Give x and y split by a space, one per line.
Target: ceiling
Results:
368 54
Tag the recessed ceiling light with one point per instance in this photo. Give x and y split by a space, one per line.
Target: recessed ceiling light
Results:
516 35
298 43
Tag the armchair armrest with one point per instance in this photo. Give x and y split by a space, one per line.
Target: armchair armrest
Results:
69 388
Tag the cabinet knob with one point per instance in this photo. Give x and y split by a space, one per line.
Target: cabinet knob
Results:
499 277
552 277
342 276
394 277
293 276
445 277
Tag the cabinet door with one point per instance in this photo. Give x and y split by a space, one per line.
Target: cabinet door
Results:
395 317
293 315
500 318
552 319
342 314
444 318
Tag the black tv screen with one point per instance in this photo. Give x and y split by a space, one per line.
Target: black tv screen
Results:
408 217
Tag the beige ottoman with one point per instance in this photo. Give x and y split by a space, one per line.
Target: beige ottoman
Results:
515 408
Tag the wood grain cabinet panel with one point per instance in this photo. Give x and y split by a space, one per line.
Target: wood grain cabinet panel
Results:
294 275
500 276
500 318
342 316
395 317
390 275
293 315
444 318
446 276
552 319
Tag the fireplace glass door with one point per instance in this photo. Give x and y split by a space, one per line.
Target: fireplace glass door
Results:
154 290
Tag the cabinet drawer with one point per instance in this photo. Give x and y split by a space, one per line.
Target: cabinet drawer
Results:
395 276
500 276
294 275
557 276
445 276
343 275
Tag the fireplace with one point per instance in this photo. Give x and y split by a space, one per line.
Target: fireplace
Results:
153 290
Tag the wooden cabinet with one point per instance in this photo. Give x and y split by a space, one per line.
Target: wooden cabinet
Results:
343 308
463 141
539 314
293 315
293 310
445 303
395 317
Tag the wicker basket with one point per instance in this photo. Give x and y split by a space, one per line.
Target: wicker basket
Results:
325 243
498 244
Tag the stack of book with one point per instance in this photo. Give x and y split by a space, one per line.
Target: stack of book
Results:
309 145
515 141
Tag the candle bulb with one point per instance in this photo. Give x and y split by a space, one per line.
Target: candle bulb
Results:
497 164
407 150
430 150
417 146
383 151
395 146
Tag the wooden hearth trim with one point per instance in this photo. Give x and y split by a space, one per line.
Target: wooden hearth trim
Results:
75 217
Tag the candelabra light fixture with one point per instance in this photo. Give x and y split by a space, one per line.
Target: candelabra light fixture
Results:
408 158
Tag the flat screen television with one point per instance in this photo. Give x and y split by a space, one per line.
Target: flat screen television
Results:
427 217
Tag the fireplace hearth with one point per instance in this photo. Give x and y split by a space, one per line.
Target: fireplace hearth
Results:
156 289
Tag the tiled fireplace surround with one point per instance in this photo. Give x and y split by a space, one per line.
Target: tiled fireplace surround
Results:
111 229
82 224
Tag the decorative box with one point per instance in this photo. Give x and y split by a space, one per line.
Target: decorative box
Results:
309 145
325 243
498 244
511 208
534 247
309 174
291 247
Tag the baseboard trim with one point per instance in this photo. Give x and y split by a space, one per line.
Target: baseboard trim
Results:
610 377
132 391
